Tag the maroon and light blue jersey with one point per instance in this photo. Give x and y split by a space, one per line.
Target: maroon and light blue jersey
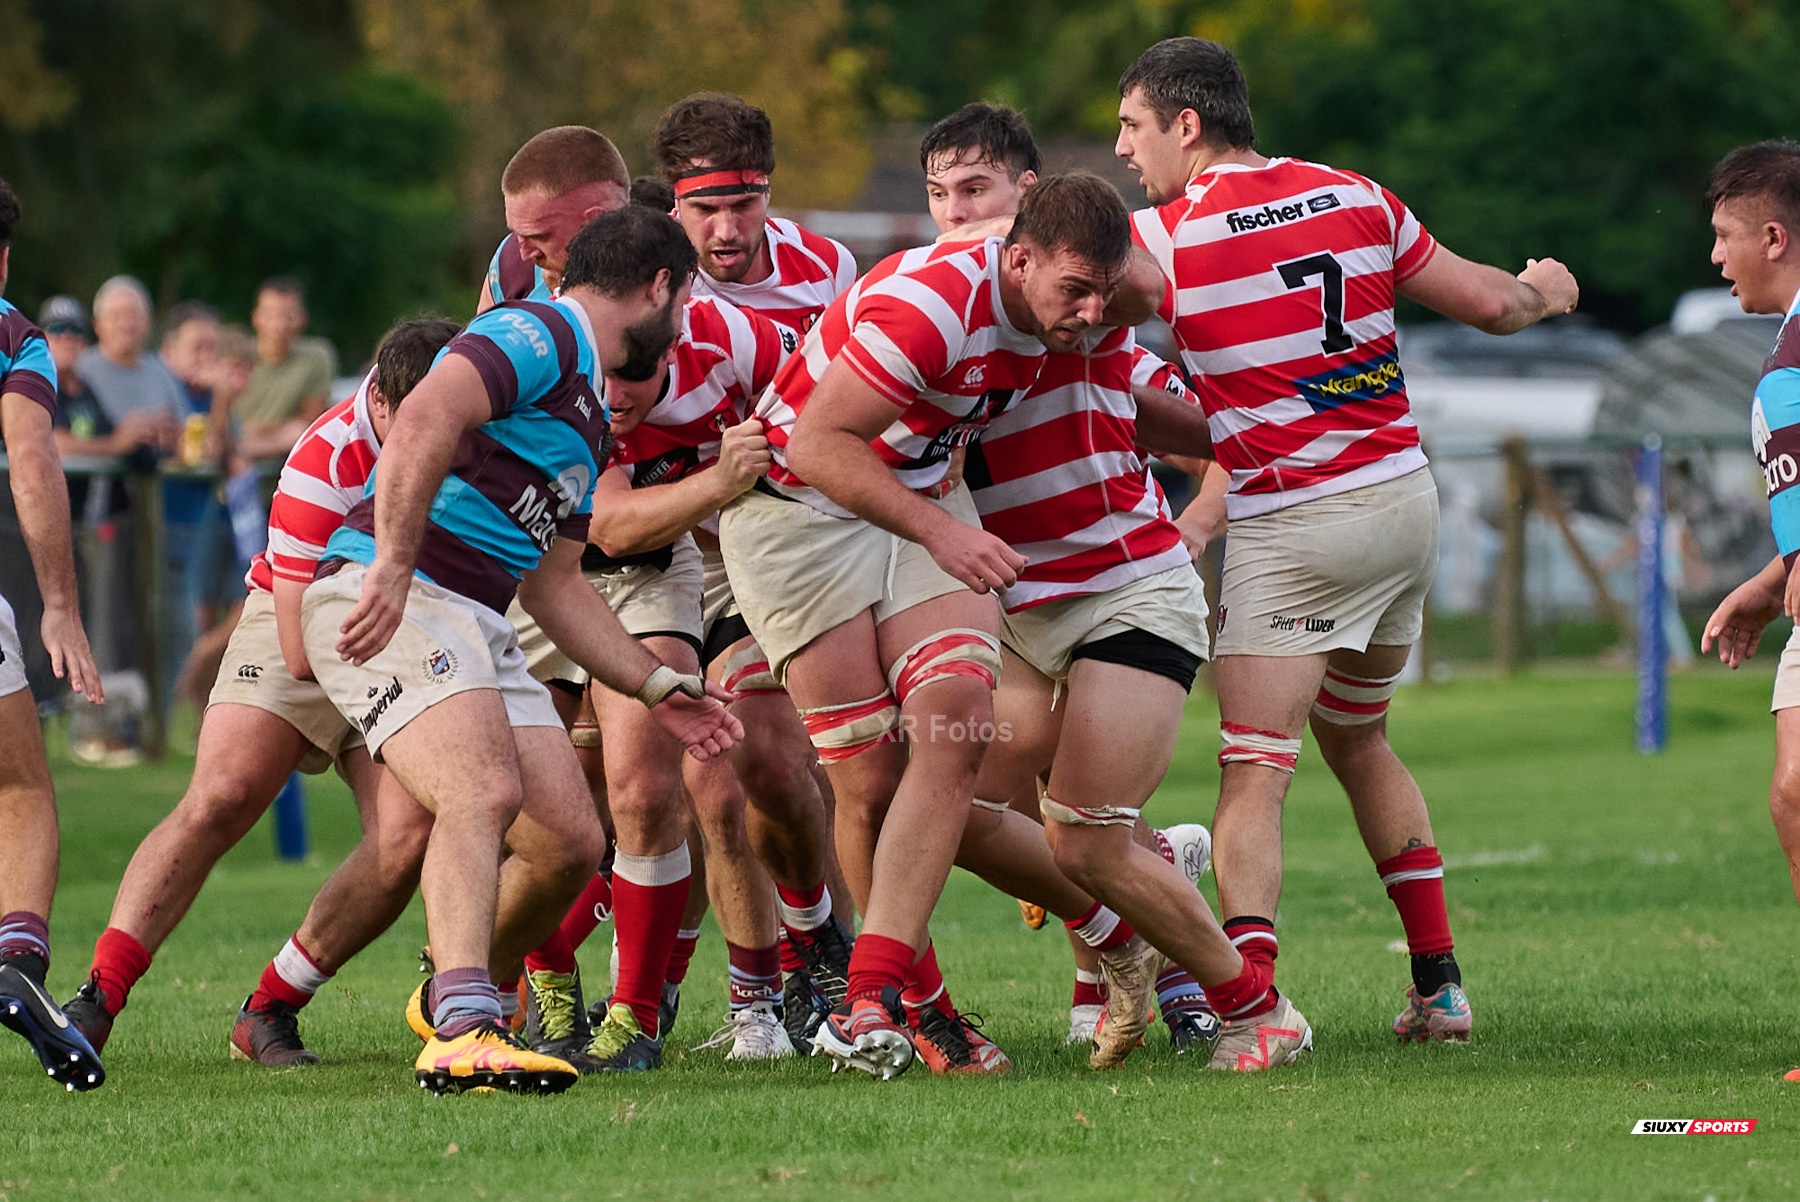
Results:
512 277
521 480
1775 433
25 363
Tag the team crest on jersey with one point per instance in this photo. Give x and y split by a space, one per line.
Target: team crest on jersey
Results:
1369 380
440 665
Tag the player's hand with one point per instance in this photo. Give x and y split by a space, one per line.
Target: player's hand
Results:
1737 625
703 724
975 231
1554 282
953 475
976 558
67 643
744 452
377 615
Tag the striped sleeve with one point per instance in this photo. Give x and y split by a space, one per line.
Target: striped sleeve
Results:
906 335
1413 243
321 480
513 351
26 366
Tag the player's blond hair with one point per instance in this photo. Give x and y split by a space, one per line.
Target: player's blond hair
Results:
562 159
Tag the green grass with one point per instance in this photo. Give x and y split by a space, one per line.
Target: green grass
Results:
1625 924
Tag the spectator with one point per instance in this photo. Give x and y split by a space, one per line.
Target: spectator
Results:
198 532
292 382
190 334
82 426
123 379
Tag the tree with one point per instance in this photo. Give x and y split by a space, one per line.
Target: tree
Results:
207 144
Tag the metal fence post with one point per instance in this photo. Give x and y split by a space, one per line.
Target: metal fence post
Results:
1653 648
1509 597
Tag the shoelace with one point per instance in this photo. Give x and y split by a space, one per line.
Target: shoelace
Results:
555 1003
758 1023
282 1023
951 1035
610 1038
820 950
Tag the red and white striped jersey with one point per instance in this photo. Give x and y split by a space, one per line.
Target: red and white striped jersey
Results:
325 474
724 360
809 272
1281 295
926 329
1059 478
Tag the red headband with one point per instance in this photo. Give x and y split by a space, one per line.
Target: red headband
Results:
707 182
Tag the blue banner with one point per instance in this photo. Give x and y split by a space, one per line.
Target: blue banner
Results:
1652 598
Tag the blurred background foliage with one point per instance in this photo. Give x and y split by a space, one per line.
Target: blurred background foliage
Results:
205 144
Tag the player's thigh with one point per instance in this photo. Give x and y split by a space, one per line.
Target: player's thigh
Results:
557 820
1118 733
457 753
22 760
1268 692
842 665
909 639
1026 728
243 756
774 760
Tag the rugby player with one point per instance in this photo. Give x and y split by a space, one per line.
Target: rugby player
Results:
716 154
685 446
1754 196
1064 464
1282 277
487 491
874 601
266 718
553 185
29 849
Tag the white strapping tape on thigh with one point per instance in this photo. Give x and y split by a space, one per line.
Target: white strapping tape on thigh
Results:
956 652
998 807
1248 745
1346 700
1068 815
839 732
747 671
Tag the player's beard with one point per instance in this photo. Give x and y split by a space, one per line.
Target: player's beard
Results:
646 341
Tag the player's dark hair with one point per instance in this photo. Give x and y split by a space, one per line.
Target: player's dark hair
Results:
720 130
621 251
1768 171
1194 73
283 285
653 192
1078 212
9 213
407 352
562 159
186 311
1001 134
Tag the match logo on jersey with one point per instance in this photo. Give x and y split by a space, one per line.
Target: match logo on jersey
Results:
1369 380
440 665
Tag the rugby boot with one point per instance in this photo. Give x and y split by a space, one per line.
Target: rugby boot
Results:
488 1057
65 1053
270 1036
1188 846
1443 1016
668 1009
619 1045
1130 971
950 1044
803 1007
825 951
1254 1045
1193 1027
867 1034
418 1006
754 1033
1033 915
87 1010
1082 1021
556 1022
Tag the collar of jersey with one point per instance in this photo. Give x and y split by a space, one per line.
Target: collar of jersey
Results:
994 246
1793 310
581 320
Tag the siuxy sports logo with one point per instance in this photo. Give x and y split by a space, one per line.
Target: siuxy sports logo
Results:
1694 1126
1245 220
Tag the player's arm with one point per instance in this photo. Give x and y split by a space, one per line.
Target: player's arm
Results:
1167 424
1737 625
1487 297
41 496
628 520
1203 518
450 401
583 627
288 594
1140 293
829 449
484 300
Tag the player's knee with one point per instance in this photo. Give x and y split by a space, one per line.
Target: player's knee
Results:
220 803
1784 798
1087 841
778 775
644 798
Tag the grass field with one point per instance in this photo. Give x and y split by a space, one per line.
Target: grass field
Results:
1625 924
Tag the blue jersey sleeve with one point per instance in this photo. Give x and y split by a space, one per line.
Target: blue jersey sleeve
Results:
515 353
1776 422
495 295
25 363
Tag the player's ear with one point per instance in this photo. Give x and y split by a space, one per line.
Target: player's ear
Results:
1026 179
662 287
1189 126
1777 242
